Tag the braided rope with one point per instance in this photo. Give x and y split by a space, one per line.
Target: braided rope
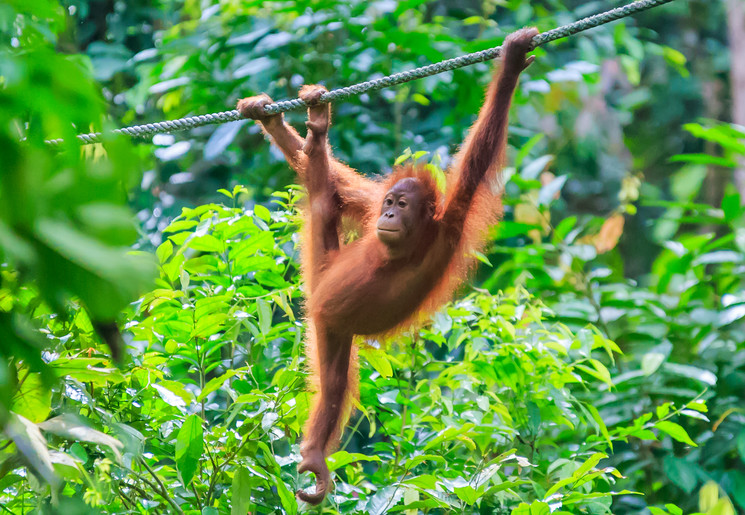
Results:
375 84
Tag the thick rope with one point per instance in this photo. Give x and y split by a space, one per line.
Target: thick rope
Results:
191 122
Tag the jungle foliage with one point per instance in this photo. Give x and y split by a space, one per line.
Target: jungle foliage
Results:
595 364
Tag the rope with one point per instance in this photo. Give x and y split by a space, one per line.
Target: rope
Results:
191 122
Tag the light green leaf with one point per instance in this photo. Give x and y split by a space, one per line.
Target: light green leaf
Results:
286 497
180 225
342 458
240 492
425 481
32 399
215 384
411 495
591 462
673 509
189 447
535 508
174 393
206 243
379 360
676 431
698 406
265 316
722 507
164 251
651 362
708 496
263 213
600 423
467 494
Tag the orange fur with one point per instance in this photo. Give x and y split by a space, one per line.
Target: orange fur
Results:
314 386
387 281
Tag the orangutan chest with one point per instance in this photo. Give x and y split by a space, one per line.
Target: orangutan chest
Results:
370 305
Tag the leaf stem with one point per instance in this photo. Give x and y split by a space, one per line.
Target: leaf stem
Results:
162 490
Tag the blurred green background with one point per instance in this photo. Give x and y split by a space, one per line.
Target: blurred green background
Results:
151 324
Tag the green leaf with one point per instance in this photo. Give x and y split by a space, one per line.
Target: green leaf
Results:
600 423
558 485
209 325
425 481
286 497
680 472
590 463
467 494
239 189
698 406
174 393
206 243
240 492
32 399
342 458
481 257
673 509
699 374
663 409
740 442
704 159
420 99
263 213
403 157
509 229
411 495
708 496
32 445
383 499
75 428
651 362
676 431
270 279
214 384
164 251
99 376
722 507
448 435
263 241
598 371
563 229
105 278
265 316
189 447
529 145
422 458
535 508
717 135
180 225
378 359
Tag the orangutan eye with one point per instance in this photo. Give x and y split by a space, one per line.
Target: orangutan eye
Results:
389 202
401 203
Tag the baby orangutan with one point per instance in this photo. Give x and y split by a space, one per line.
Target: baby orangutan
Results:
413 251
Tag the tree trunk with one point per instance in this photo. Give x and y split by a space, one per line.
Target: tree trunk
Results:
736 32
